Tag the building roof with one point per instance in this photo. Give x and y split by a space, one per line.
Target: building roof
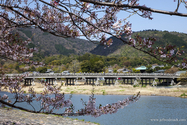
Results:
160 71
180 72
141 68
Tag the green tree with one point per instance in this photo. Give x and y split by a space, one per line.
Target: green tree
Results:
42 69
135 71
85 66
32 68
74 66
55 62
98 66
149 69
49 59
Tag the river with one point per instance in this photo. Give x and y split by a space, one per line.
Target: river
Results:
152 110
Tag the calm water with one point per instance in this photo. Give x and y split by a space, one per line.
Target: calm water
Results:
148 110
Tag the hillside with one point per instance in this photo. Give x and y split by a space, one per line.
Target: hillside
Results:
48 44
52 45
163 38
101 50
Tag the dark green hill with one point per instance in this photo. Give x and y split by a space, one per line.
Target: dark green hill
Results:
105 51
52 45
163 38
48 44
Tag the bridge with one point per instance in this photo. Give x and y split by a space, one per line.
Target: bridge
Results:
110 78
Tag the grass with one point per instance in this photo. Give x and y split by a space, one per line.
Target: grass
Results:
179 90
144 86
58 116
104 92
135 86
121 86
72 92
96 123
87 121
122 90
183 95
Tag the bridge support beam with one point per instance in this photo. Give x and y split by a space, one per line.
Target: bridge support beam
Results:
70 81
109 81
50 81
28 81
90 81
126 80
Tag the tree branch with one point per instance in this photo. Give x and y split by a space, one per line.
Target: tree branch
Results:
177 6
111 4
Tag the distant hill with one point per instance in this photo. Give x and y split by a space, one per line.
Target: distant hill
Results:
163 38
50 45
101 50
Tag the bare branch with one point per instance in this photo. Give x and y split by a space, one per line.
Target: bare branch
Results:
178 4
111 4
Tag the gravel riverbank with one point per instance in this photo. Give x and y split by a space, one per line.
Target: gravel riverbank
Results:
17 117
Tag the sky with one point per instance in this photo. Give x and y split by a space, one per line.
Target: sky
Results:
159 21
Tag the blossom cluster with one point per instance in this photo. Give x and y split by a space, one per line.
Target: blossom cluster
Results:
90 106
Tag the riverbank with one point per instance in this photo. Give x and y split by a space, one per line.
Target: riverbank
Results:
174 91
18 117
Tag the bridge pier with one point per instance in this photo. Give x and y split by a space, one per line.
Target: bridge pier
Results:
109 78
165 81
109 81
146 81
33 82
50 81
28 81
90 81
70 81
127 79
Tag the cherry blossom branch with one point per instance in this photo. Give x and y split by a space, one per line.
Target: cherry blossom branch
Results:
90 107
111 4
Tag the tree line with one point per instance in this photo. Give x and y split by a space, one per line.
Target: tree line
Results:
81 63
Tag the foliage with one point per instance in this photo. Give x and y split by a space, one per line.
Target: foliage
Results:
95 64
85 66
62 50
183 95
55 62
135 71
32 68
47 44
172 70
31 45
42 69
183 77
149 69
74 66
100 63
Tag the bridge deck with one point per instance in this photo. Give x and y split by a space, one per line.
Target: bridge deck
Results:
97 75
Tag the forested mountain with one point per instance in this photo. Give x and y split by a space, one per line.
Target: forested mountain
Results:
162 38
48 44
105 51
52 45
61 54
